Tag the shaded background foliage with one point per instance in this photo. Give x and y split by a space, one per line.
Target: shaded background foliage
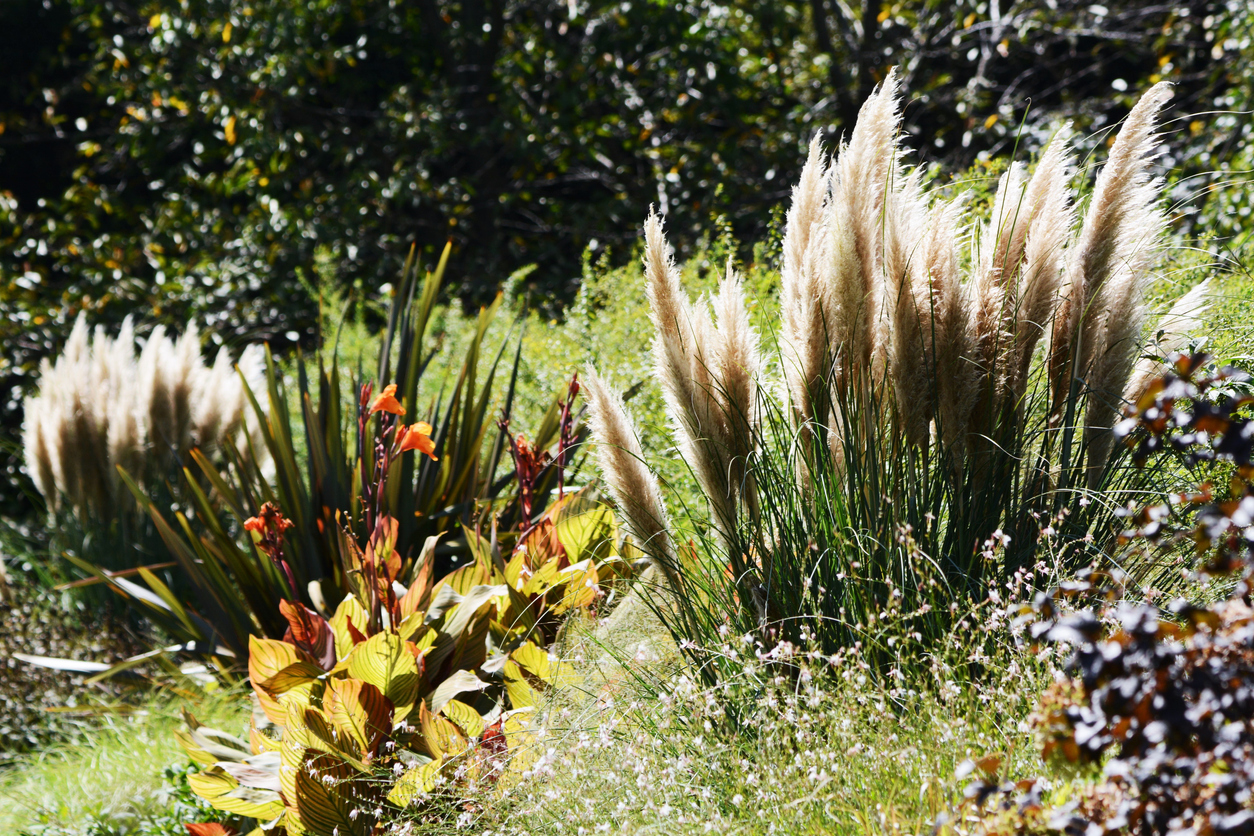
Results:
185 159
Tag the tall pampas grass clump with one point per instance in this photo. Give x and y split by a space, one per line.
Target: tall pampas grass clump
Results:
934 420
102 405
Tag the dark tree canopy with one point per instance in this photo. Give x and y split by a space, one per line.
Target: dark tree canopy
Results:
189 159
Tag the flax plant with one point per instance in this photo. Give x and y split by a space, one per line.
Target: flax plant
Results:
936 414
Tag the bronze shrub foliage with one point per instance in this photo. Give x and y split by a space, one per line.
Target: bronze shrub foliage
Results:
1163 703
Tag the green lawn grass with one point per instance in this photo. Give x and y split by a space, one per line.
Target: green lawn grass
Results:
111 780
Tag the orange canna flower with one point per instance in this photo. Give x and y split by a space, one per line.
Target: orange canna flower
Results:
387 402
269 516
418 437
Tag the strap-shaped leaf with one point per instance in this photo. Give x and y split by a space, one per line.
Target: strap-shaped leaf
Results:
225 793
254 775
349 625
467 719
385 662
441 737
361 712
207 746
417 781
324 800
458 683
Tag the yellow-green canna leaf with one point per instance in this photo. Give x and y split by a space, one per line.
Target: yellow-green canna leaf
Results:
259 741
291 758
520 742
581 587
537 663
361 712
586 533
514 575
325 800
458 683
292 676
466 578
544 579
533 660
225 793
266 658
385 662
457 613
442 738
417 781
466 718
519 691
349 625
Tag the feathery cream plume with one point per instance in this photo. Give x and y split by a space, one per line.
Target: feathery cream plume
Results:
737 368
993 297
860 180
1114 256
1119 230
803 306
908 305
683 337
100 407
946 330
634 487
1171 335
1051 224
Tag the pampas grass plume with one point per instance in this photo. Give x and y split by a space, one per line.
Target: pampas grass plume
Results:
634 487
100 407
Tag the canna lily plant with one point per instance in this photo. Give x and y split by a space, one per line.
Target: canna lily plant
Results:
412 682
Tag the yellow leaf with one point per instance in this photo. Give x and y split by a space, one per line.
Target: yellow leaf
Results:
226 33
350 611
520 743
229 130
467 719
419 779
360 711
225 793
883 16
968 20
154 21
990 121
440 736
266 658
325 803
385 662
519 691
